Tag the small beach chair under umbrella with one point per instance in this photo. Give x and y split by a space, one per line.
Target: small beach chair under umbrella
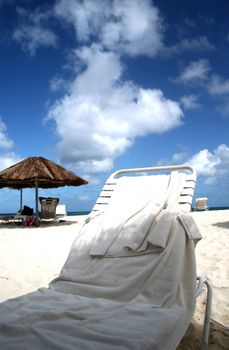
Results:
38 172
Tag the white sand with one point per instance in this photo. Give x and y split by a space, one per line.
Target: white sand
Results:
212 254
31 257
212 257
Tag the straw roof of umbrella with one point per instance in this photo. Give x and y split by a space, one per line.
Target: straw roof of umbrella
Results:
38 171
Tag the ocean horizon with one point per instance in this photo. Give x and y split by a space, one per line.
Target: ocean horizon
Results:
86 212
69 213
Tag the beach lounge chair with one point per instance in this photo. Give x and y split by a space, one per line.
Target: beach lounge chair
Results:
22 215
48 208
201 204
61 212
7 218
129 281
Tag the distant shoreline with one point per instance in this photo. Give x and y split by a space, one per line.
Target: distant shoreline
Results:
85 212
211 209
69 213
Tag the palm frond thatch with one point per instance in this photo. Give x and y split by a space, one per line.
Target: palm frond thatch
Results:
47 174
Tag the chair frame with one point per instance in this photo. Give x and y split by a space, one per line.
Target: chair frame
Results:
185 200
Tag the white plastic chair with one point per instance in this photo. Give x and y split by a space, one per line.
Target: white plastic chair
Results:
201 204
74 299
185 203
61 211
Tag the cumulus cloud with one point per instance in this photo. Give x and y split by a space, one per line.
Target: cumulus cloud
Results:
218 86
211 166
205 163
101 115
33 31
31 38
7 159
58 83
190 102
130 27
5 142
199 44
196 71
196 44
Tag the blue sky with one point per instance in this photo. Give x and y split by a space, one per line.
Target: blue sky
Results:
102 85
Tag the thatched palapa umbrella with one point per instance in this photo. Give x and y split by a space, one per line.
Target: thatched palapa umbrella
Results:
35 172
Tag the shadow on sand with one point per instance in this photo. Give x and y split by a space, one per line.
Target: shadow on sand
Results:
42 224
224 224
218 337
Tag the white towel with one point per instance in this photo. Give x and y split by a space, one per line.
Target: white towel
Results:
158 235
190 226
136 201
135 205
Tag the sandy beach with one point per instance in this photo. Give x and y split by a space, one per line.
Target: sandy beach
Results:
212 257
31 257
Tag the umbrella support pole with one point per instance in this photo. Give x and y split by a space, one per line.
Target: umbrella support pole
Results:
36 202
20 199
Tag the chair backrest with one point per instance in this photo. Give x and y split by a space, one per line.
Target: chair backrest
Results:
48 207
185 199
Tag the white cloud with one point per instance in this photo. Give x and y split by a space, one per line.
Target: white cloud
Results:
83 198
58 83
137 28
218 86
31 38
195 72
33 32
223 107
205 163
85 16
190 102
7 159
93 179
101 115
211 166
178 158
196 44
129 27
5 142
200 44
